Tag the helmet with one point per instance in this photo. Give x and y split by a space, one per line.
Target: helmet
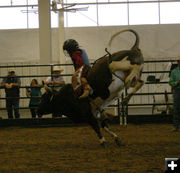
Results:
70 45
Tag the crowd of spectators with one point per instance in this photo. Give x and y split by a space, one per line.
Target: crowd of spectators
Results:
11 84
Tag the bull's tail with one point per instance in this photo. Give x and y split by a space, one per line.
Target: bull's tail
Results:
136 44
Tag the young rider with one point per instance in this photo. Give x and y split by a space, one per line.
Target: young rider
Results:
78 56
81 65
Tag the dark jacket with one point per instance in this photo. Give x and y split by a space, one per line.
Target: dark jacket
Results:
14 91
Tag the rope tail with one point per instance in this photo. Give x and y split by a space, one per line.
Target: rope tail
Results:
136 44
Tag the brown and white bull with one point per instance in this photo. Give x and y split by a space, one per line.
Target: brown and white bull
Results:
102 83
110 75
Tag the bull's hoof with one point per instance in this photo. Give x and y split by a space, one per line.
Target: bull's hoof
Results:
118 141
104 144
39 116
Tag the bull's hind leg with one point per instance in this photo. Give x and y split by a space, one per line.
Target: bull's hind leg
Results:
125 65
105 126
138 85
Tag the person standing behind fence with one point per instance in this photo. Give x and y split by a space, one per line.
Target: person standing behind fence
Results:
175 83
56 81
34 93
12 83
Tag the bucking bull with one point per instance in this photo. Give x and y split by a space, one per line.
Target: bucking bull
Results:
104 81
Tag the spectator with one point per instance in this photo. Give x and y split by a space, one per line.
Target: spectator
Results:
56 81
12 83
34 92
175 83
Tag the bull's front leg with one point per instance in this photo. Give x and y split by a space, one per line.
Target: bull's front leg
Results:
95 125
105 126
103 119
97 106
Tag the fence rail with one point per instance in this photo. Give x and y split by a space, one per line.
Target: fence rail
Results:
118 105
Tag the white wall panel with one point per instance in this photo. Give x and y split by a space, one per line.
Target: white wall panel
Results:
156 41
19 45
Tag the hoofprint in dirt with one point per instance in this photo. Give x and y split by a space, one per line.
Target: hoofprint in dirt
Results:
76 150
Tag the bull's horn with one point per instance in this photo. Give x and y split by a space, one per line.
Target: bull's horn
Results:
47 88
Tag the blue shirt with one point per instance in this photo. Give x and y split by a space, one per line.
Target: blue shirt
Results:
85 57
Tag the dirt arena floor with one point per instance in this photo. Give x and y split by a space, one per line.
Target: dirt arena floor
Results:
77 149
